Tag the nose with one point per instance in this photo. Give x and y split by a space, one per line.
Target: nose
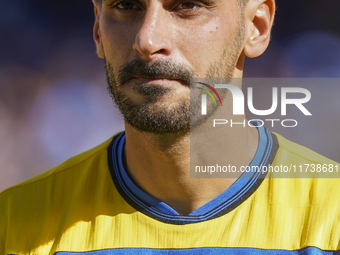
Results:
153 40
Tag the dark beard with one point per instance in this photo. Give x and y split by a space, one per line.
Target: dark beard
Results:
148 117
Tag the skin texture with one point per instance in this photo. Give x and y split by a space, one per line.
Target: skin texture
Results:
151 48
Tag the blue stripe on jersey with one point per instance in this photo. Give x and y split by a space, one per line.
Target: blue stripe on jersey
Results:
143 196
203 251
160 210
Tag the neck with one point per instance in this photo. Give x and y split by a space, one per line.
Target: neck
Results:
160 164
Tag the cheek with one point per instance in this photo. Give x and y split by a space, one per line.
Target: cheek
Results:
204 44
117 41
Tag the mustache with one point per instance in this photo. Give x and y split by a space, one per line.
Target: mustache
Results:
138 68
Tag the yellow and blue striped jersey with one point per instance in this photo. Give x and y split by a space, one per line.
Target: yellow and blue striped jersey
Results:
88 205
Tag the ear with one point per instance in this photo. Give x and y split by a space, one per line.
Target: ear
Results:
259 18
96 31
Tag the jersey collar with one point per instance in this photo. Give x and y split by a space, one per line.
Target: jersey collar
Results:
244 187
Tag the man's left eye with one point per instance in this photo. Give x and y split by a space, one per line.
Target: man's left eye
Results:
188 5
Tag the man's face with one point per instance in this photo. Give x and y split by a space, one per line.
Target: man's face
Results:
153 47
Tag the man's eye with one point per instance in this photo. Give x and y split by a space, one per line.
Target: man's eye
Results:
126 5
189 5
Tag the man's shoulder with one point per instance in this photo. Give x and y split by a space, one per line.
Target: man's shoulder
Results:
304 177
291 152
75 166
63 196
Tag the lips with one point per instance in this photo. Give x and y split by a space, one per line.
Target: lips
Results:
157 80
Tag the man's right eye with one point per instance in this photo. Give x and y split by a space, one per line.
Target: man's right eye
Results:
126 5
